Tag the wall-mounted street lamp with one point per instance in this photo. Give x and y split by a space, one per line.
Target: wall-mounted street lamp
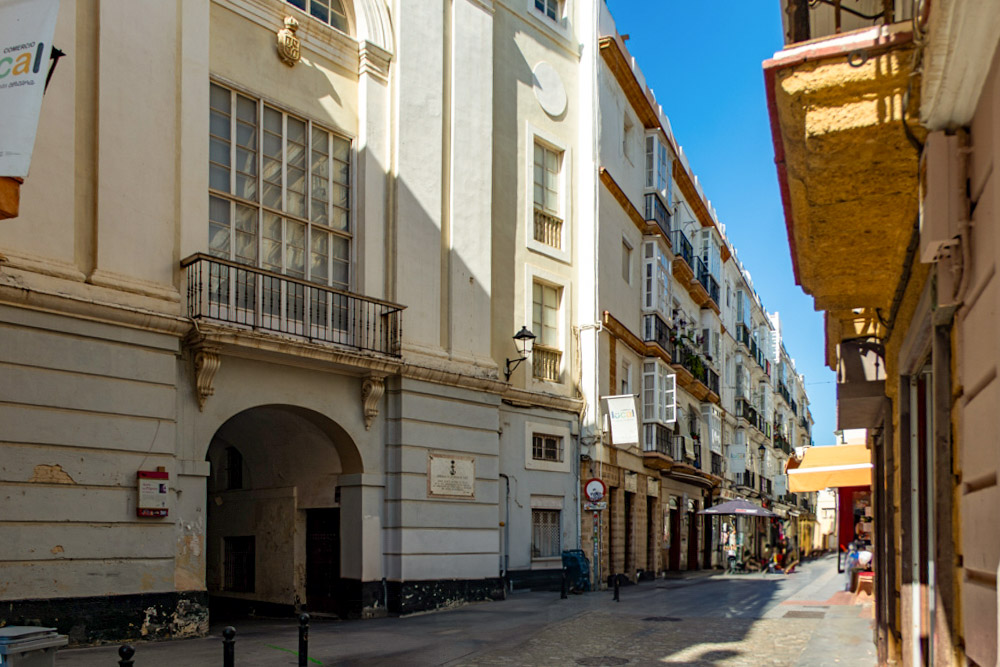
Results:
523 341
761 450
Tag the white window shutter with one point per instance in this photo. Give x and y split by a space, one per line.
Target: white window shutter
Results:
670 396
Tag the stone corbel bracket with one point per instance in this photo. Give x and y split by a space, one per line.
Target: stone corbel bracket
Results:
206 363
372 390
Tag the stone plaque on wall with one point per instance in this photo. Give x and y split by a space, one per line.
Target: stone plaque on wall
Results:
631 482
653 487
451 476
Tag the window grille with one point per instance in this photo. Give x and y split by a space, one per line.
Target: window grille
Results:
545 534
546 447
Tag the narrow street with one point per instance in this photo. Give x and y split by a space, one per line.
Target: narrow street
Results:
799 619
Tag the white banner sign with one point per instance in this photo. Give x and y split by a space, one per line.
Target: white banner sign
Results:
624 420
737 456
780 485
26 28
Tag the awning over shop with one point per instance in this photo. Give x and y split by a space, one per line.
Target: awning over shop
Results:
823 467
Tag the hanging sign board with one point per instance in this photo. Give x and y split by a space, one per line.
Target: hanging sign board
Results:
26 29
152 493
624 420
737 459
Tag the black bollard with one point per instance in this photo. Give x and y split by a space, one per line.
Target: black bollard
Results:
617 587
562 594
125 652
303 640
229 646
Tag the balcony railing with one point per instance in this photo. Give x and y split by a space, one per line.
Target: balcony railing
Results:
835 17
678 447
743 334
655 330
746 479
795 408
712 380
545 363
657 438
251 298
682 247
710 284
716 465
746 411
656 211
548 229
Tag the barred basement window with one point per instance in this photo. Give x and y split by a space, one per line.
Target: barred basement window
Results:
239 573
545 534
546 447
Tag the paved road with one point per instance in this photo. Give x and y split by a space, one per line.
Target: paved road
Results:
799 619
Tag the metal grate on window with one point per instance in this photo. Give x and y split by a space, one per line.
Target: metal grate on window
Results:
545 533
239 558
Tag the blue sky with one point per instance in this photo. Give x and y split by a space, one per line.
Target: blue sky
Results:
703 60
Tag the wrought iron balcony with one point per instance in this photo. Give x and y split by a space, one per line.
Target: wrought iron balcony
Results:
682 247
656 330
712 380
548 229
656 211
812 19
743 334
795 407
746 411
710 284
746 479
657 438
250 298
716 465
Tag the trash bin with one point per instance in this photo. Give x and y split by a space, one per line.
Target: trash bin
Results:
29 646
577 569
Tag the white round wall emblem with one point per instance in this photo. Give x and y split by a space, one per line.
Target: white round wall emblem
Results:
549 89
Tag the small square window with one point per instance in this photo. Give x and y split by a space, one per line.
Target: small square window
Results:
546 447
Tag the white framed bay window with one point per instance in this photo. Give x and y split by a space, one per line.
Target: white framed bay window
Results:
659 392
655 279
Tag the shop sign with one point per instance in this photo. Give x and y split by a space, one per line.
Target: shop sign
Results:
26 29
624 420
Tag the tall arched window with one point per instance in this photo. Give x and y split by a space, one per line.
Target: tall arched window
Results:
330 12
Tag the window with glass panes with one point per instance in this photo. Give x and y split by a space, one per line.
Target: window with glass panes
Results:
547 164
657 163
659 393
546 447
550 8
330 12
545 314
545 534
279 190
656 282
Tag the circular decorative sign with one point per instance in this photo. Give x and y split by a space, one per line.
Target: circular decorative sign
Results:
595 490
549 89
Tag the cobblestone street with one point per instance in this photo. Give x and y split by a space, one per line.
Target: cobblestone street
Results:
800 619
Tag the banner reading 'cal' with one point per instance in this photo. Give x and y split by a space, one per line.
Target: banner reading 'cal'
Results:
26 28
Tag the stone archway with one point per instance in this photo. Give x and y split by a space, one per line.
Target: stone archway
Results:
276 513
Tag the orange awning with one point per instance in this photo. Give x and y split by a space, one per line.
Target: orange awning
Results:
834 466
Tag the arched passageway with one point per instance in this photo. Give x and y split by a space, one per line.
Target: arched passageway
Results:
275 513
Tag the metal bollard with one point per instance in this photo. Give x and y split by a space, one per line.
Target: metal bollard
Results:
303 640
617 587
229 646
562 593
125 652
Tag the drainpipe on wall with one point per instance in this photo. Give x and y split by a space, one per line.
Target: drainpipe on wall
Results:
505 564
